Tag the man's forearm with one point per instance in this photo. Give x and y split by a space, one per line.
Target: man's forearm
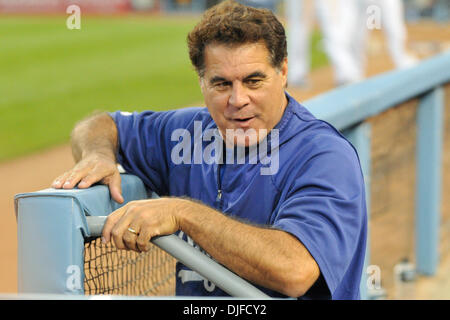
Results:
94 145
268 257
96 134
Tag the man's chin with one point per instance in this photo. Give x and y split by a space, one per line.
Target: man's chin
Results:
244 140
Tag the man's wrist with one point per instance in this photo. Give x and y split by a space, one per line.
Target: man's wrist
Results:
189 214
182 211
103 153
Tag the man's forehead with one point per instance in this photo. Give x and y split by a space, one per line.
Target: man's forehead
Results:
243 59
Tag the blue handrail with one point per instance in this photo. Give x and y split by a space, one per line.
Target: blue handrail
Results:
347 106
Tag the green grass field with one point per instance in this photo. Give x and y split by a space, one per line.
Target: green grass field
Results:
51 77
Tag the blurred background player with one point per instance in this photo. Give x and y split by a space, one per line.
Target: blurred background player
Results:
336 21
345 26
391 16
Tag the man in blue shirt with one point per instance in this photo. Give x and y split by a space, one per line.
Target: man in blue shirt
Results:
253 179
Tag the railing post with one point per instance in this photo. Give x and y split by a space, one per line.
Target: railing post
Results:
428 184
360 137
50 243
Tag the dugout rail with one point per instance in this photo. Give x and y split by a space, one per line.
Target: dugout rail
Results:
53 223
52 226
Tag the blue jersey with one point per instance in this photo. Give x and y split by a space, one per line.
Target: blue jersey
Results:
308 183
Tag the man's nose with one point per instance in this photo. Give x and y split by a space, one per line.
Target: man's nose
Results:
239 96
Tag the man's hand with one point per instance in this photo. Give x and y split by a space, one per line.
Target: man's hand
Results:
94 146
146 218
92 169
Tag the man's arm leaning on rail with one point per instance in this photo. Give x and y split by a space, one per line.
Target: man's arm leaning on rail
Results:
268 257
94 144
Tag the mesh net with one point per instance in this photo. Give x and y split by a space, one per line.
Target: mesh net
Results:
393 187
393 183
111 271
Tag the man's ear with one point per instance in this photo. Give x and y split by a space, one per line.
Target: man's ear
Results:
284 71
201 82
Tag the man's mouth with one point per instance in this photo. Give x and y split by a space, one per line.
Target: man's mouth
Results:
243 122
243 119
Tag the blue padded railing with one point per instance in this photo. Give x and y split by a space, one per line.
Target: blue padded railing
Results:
52 226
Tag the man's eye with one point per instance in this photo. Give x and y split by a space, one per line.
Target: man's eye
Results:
253 82
222 84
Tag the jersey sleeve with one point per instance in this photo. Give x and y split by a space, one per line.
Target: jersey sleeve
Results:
324 208
142 148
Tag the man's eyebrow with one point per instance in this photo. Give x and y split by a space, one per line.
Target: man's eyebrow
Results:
256 74
217 79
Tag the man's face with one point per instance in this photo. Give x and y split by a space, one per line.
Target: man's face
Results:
243 91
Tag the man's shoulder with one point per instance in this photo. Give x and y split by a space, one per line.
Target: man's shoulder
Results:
309 138
306 128
187 114
191 112
186 118
304 123
172 119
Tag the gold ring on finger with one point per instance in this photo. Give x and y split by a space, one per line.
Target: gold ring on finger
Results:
132 230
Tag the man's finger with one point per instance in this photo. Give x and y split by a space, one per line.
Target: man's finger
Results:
121 226
91 178
130 236
59 181
87 181
111 221
143 240
115 188
78 173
